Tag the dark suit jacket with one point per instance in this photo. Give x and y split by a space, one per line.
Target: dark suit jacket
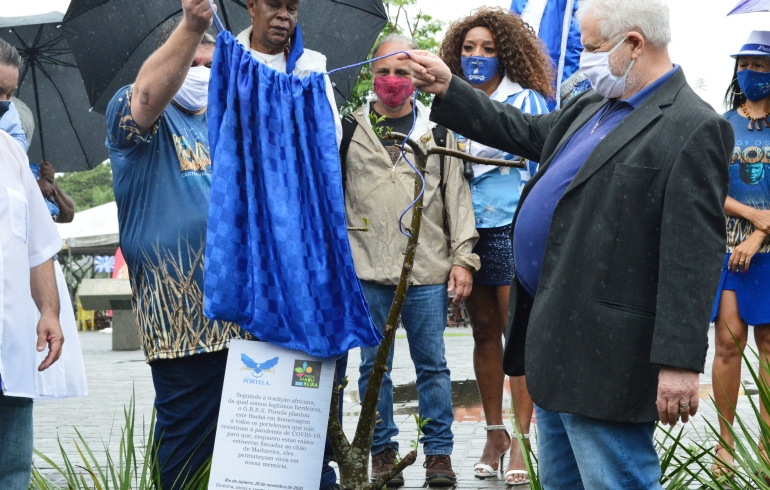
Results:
634 251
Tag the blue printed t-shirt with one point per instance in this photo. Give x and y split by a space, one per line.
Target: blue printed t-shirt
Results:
496 190
162 182
749 178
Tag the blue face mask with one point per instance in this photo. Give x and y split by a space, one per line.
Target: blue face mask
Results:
479 70
755 85
4 106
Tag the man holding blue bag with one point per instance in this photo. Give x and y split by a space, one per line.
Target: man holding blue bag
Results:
157 137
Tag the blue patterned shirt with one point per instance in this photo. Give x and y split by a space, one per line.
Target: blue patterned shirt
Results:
496 190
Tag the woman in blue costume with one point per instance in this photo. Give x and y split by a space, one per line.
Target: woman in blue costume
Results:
743 297
500 54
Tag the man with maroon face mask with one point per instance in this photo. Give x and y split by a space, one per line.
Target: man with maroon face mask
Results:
379 185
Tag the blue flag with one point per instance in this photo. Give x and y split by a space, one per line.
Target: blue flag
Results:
555 24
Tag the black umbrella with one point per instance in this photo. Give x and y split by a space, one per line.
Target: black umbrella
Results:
66 133
112 38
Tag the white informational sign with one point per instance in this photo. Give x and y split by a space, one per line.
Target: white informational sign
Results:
273 416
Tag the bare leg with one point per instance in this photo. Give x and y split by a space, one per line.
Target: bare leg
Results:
488 330
730 338
523 405
762 338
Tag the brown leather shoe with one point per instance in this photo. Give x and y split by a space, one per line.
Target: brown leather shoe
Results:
439 471
382 463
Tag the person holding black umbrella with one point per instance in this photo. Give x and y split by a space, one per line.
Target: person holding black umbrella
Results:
157 137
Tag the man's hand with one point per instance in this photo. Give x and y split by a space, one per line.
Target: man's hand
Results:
49 332
461 282
429 73
47 172
42 282
197 15
677 394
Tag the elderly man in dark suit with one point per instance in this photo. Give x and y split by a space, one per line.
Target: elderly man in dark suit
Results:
618 244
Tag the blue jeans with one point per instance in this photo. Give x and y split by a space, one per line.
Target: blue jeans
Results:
577 453
15 442
424 317
328 476
187 395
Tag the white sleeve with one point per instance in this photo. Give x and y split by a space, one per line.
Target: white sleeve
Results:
337 120
43 240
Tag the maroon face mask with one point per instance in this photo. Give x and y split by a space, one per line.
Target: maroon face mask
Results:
393 91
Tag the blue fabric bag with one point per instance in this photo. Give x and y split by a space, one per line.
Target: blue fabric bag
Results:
278 259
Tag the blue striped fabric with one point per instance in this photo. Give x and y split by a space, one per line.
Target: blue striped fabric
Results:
496 190
555 24
533 103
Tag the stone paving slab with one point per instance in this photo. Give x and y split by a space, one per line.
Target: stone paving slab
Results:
114 376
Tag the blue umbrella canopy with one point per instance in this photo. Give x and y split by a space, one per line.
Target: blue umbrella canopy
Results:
748 6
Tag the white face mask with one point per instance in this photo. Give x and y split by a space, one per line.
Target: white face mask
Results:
596 67
194 94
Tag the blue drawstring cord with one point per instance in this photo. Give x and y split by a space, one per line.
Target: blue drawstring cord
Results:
403 154
366 62
221 27
217 21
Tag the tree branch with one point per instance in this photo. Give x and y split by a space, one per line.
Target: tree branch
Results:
408 24
336 434
437 150
416 23
362 441
406 461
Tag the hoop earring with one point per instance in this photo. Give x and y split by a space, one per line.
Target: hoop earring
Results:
732 90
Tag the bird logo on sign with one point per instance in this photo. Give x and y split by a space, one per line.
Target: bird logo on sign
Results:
258 369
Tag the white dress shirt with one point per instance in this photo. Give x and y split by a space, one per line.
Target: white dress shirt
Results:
28 238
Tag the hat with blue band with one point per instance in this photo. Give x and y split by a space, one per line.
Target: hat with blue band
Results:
758 44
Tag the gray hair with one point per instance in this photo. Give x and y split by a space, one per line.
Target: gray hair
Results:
618 17
394 38
9 56
27 120
168 28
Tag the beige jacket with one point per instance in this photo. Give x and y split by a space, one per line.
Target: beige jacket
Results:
380 192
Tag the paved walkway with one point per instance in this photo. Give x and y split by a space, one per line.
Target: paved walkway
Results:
114 376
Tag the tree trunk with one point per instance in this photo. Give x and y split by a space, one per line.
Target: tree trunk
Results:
353 458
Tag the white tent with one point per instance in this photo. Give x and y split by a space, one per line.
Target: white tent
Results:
93 231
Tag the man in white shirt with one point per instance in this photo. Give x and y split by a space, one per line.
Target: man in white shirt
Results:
28 241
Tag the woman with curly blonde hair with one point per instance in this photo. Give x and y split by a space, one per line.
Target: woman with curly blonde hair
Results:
501 55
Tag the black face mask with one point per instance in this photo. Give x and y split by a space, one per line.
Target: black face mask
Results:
4 106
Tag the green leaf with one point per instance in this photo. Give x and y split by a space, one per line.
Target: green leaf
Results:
298 370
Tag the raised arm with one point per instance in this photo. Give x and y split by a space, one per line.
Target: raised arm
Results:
162 75
473 114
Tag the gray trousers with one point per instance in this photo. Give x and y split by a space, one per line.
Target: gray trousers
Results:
15 442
